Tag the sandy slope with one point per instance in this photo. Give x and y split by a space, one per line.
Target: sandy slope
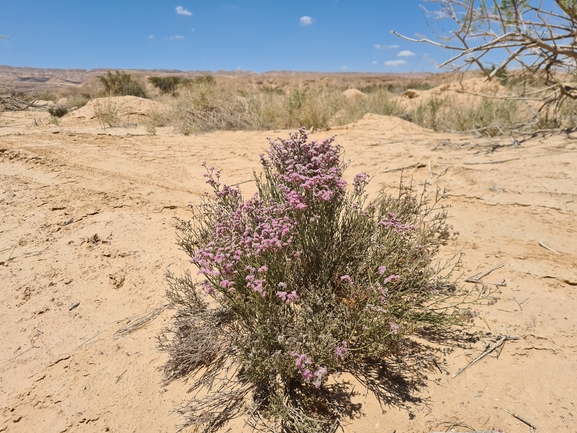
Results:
86 214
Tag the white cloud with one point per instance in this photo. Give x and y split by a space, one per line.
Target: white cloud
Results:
192 29
344 67
385 47
374 62
405 53
175 37
394 62
151 37
306 21
182 11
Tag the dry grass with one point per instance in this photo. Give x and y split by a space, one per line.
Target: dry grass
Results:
203 108
207 104
77 100
209 107
107 113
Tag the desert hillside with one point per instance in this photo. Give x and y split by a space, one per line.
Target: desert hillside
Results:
86 236
36 81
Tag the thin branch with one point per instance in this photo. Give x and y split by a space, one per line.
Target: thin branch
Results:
490 349
523 420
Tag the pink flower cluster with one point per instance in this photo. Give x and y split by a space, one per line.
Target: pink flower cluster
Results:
249 229
348 279
340 351
304 364
391 221
288 298
255 283
306 172
360 182
213 179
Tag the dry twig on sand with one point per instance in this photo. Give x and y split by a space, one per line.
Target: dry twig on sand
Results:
139 322
523 420
471 431
491 162
416 165
478 279
541 244
490 349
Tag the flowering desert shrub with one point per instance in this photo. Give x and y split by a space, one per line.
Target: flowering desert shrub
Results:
305 280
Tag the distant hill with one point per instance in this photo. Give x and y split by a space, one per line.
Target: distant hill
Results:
36 80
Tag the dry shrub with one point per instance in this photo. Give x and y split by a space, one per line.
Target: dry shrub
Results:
306 280
77 100
312 107
59 110
205 107
377 102
46 96
107 113
486 116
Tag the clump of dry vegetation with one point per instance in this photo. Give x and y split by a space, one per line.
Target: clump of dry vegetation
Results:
107 113
202 107
59 110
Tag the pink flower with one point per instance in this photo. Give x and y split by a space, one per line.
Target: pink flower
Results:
382 270
340 351
391 278
394 327
319 374
292 297
347 278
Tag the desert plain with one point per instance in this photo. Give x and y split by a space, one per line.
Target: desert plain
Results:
87 235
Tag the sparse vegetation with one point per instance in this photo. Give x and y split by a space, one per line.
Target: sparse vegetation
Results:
208 107
302 282
121 83
47 96
166 85
107 113
77 100
200 80
58 110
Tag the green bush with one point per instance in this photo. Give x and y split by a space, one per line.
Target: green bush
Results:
203 80
122 84
166 85
305 280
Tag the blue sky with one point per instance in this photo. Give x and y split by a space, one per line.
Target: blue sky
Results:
313 35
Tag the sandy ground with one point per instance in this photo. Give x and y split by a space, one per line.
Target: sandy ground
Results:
86 221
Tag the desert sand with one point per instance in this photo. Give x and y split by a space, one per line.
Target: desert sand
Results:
86 236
